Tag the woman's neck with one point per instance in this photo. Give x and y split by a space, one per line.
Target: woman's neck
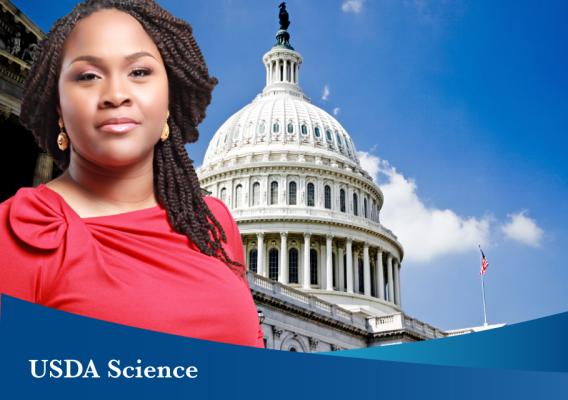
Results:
92 190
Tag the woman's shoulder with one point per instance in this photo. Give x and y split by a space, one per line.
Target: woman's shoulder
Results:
36 216
218 208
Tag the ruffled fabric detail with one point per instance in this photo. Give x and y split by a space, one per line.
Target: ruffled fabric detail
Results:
37 219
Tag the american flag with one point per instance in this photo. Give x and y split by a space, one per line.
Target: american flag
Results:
484 263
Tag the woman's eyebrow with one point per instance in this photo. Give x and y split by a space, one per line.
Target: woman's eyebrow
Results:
98 60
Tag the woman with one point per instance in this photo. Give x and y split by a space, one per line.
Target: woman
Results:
125 234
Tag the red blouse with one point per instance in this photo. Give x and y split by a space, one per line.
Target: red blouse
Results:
129 268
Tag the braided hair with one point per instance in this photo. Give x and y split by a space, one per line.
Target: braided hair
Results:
175 181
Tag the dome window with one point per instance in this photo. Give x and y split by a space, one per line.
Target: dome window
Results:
355 205
304 129
342 200
292 193
328 135
223 196
313 267
290 127
292 265
256 194
338 137
274 192
273 264
327 192
311 195
276 127
261 128
238 196
317 132
253 259
365 207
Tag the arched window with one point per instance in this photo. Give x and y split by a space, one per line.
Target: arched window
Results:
253 260
355 204
223 196
342 200
304 129
313 267
290 127
338 138
274 192
327 192
293 265
293 349
276 127
361 276
238 196
311 195
365 207
292 193
317 132
261 128
273 264
256 194
328 135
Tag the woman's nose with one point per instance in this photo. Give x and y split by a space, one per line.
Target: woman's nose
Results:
115 93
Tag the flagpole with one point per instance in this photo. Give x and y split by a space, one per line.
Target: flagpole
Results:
484 265
483 296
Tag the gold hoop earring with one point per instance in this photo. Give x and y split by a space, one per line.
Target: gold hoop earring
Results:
166 130
62 138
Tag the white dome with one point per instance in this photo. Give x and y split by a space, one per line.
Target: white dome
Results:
265 124
282 118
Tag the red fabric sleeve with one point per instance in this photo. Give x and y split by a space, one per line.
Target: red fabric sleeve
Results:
234 248
20 264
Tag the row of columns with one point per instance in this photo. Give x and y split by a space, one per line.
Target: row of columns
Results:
392 284
274 74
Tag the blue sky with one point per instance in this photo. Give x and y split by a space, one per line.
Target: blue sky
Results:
460 111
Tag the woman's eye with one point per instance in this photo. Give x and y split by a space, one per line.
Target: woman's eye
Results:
140 72
88 76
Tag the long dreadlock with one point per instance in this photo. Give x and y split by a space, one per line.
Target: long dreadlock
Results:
175 181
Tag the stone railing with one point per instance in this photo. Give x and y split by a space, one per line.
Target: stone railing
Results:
307 301
400 321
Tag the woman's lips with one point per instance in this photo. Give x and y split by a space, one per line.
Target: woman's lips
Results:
118 128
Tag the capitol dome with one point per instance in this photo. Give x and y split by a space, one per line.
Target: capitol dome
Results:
309 215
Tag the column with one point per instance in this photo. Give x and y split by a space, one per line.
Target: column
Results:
306 270
349 260
282 271
366 270
260 254
340 272
380 275
390 278
245 254
328 263
322 267
356 271
397 280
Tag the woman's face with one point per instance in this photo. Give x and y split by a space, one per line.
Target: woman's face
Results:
113 90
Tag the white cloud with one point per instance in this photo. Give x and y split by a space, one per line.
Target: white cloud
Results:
336 111
425 232
354 6
326 92
523 229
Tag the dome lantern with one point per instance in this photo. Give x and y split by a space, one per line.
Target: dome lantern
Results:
282 62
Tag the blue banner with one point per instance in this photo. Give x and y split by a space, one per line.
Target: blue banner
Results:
40 346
